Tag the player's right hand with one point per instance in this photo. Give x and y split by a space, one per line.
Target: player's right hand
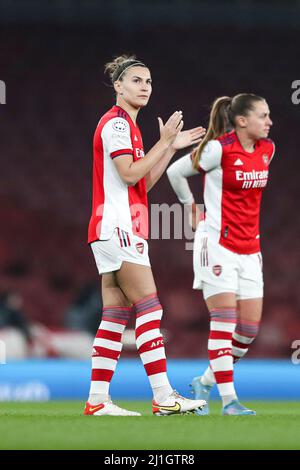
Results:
170 130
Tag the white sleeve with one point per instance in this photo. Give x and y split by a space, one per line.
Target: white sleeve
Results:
178 173
116 137
211 156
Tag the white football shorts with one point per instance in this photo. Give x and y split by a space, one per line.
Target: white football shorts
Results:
218 270
122 246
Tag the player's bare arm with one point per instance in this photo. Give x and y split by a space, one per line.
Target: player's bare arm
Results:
131 172
183 139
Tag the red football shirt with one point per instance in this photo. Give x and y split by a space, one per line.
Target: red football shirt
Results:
115 204
233 184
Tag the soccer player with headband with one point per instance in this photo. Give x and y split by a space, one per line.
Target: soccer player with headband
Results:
118 231
234 159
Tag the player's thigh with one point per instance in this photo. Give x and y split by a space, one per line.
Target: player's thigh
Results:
135 280
221 300
250 309
112 295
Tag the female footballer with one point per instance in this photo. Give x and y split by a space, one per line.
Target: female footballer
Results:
118 229
234 158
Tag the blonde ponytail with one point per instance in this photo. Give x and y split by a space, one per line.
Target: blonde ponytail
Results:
222 118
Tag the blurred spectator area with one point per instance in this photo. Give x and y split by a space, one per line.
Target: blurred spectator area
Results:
56 93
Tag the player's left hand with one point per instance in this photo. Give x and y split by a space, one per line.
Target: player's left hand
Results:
189 137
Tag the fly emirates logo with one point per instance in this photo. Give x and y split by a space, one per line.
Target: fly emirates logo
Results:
252 179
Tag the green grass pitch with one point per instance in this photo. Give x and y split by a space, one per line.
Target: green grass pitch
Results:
61 425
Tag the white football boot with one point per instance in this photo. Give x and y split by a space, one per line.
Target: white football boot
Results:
176 404
107 408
